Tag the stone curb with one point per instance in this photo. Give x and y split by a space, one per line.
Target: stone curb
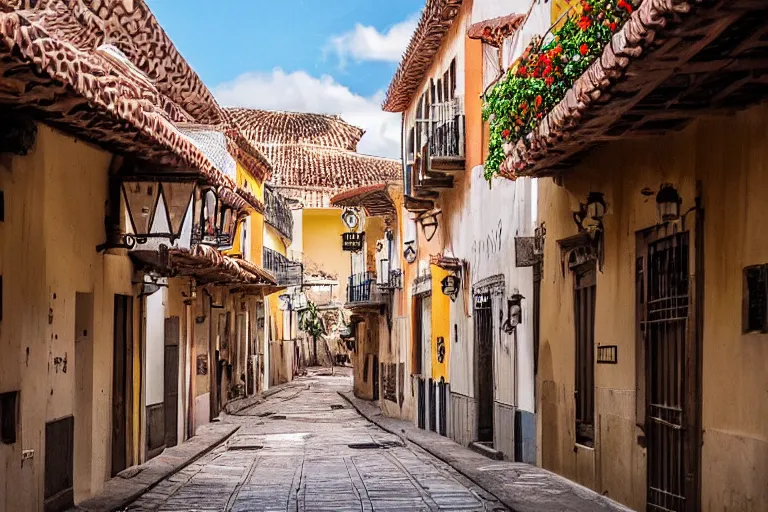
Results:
119 492
512 483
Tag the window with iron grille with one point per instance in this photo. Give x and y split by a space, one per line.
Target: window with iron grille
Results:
755 299
584 317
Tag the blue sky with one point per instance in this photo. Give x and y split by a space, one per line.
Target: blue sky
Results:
336 56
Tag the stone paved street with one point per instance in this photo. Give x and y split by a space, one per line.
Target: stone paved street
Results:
305 448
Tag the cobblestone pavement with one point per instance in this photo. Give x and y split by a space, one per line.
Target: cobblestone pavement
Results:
305 448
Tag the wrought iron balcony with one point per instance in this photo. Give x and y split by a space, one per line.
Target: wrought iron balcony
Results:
446 140
277 213
287 272
362 290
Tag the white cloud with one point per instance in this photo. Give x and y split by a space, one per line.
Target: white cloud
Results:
301 92
365 43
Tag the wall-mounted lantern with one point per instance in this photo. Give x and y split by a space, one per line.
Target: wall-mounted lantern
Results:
514 313
410 252
589 218
350 218
450 286
215 222
596 206
155 209
668 203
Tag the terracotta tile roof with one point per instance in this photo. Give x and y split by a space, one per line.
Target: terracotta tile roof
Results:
670 62
436 18
131 27
276 127
329 168
310 154
98 95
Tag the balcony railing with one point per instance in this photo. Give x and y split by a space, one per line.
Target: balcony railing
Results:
361 288
277 213
287 272
447 134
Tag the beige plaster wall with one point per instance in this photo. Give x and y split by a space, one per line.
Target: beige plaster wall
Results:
729 157
54 219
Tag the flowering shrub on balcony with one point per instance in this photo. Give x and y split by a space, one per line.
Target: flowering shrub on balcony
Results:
546 71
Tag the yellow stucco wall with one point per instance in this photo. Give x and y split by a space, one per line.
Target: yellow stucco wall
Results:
322 229
54 219
256 231
729 157
441 324
272 240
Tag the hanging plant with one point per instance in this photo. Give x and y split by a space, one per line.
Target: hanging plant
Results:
545 73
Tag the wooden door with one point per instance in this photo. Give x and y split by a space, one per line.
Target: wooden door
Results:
671 395
426 336
121 376
171 381
483 325
59 464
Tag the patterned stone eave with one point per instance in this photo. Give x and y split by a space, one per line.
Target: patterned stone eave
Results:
374 198
673 37
494 31
130 26
89 95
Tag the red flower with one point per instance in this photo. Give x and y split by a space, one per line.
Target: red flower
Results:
549 80
539 99
518 122
585 22
505 133
584 49
535 73
523 107
626 6
539 115
586 6
613 27
558 49
547 71
522 71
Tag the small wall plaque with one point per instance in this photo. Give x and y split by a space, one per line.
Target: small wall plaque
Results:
607 354
202 364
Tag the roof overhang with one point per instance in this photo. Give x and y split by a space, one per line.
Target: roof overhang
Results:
206 265
375 199
96 94
672 61
436 19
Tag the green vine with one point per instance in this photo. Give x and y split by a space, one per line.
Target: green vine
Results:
545 72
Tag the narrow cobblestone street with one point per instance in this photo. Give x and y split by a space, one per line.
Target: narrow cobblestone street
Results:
305 448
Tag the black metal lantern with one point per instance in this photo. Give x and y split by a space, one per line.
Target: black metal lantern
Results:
450 286
514 313
596 206
157 209
215 221
668 203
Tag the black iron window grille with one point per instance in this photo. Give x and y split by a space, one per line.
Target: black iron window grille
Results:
277 213
584 315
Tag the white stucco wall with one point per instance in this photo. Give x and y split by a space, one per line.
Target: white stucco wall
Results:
155 346
482 231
